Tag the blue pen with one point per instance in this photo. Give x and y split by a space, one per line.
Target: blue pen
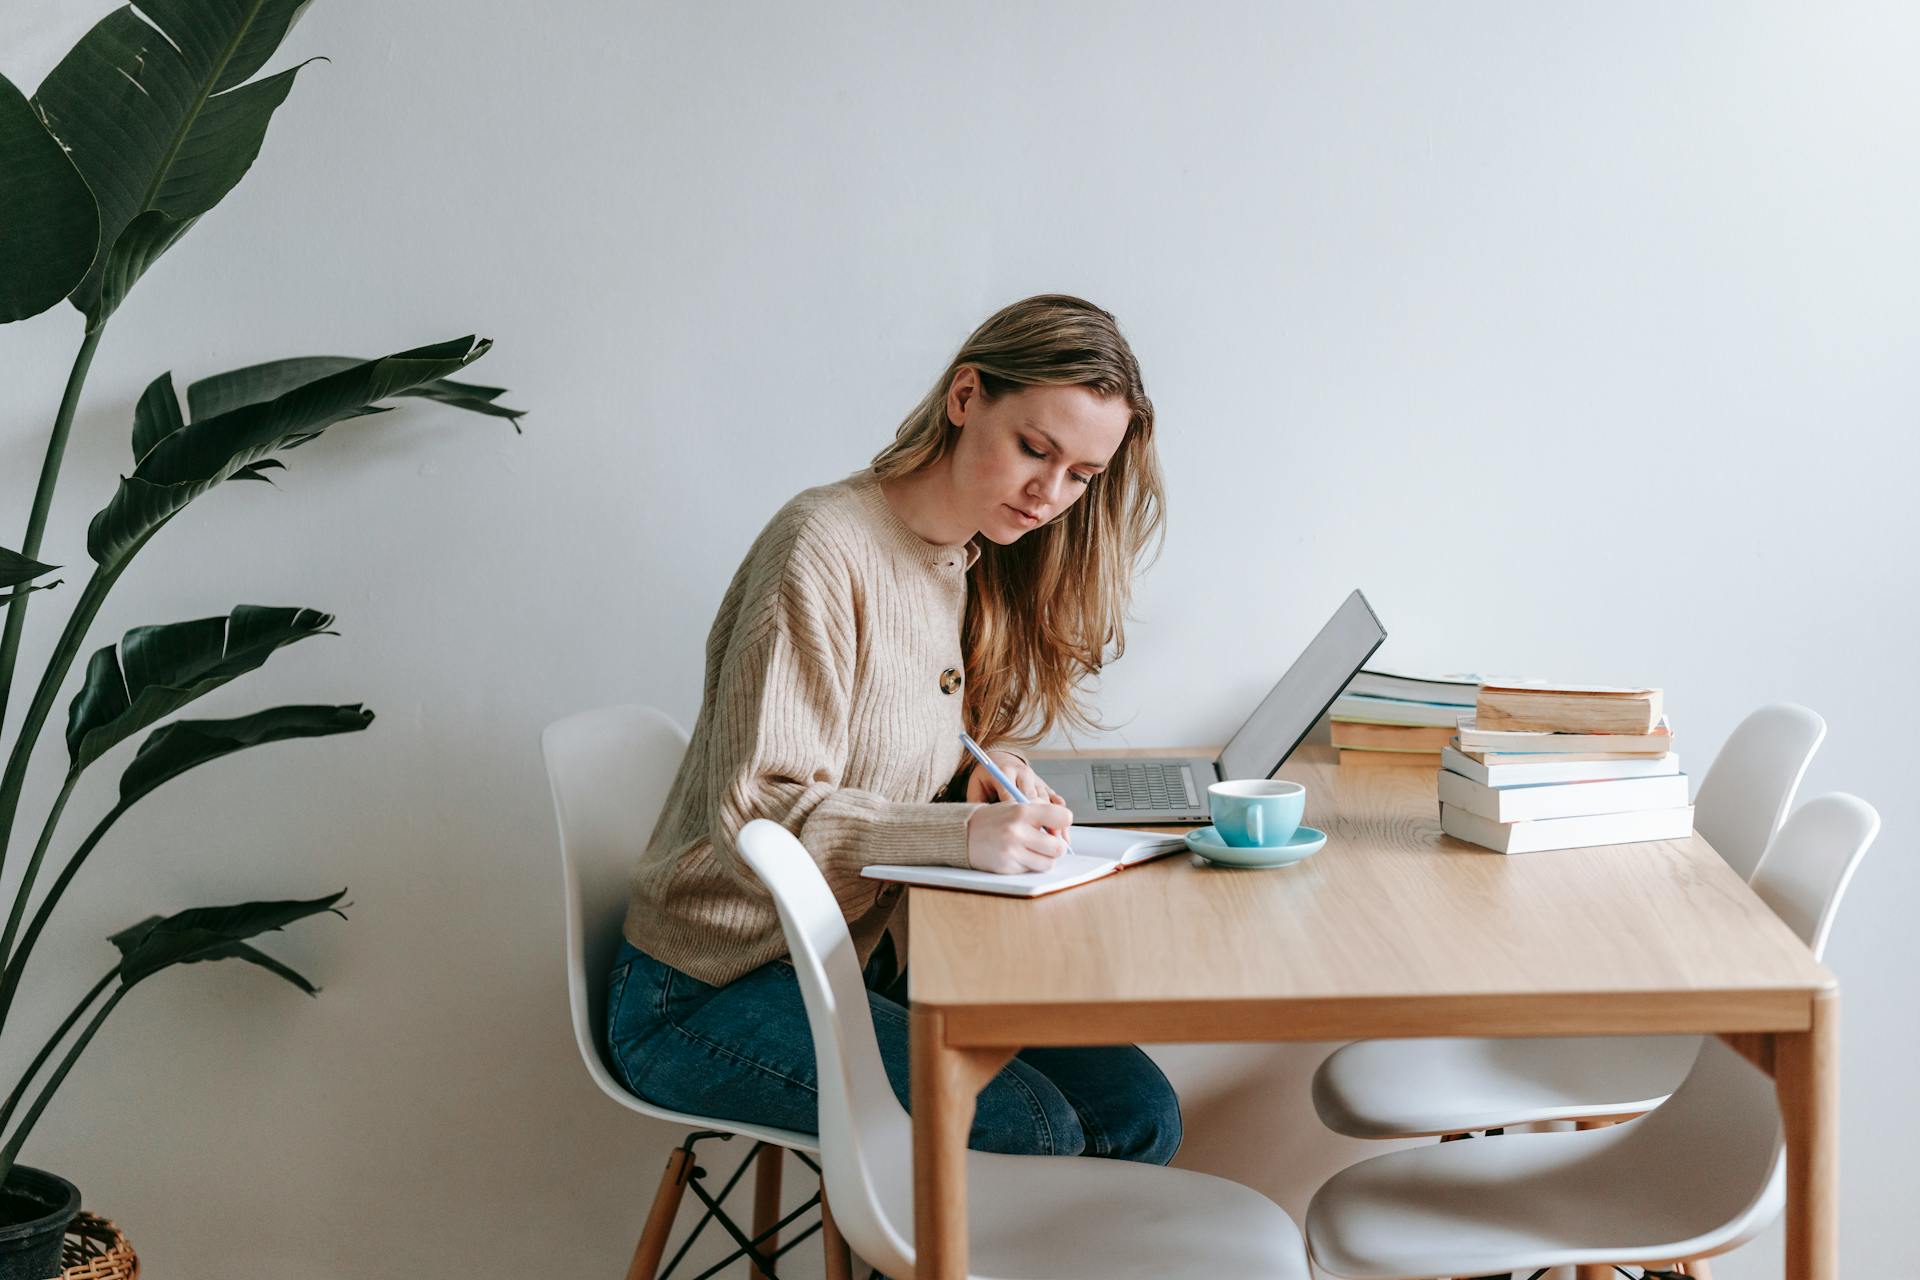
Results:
993 770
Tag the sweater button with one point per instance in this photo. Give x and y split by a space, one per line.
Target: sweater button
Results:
950 680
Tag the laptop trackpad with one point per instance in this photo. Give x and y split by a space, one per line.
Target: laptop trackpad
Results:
1073 790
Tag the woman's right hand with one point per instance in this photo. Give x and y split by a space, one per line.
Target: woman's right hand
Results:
1011 838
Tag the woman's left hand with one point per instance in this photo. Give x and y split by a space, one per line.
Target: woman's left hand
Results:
982 789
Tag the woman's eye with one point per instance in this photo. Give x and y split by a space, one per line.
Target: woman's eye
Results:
1032 452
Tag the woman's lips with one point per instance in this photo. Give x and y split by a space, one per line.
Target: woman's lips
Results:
1022 516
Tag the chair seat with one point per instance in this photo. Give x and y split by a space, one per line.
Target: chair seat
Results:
1063 1217
788 1138
1418 1088
1525 1201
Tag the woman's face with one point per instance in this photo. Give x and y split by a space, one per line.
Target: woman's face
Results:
1023 459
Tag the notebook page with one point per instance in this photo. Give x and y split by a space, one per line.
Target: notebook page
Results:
1118 844
1095 850
1068 870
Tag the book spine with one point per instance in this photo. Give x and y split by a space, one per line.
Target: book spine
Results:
1456 694
1534 742
1564 800
1536 769
1524 712
1567 833
1365 710
1363 757
1382 737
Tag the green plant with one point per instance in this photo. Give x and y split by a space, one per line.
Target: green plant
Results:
144 126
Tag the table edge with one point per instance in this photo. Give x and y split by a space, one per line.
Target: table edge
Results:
1252 1020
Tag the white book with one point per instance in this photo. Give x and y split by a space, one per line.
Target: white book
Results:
1563 799
1447 690
1567 833
1368 710
1476 739
1549 767
1096 852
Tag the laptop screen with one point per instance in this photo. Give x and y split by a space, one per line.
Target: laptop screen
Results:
1304 693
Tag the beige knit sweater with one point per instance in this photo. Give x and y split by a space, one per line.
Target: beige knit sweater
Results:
832 706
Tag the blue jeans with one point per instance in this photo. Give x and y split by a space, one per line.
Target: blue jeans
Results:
743 1052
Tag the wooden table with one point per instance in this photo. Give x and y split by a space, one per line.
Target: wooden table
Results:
1392 930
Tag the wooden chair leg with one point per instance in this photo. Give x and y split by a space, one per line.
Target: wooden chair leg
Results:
839 1257
1692 1267
766 1200
1597 1271
666 1206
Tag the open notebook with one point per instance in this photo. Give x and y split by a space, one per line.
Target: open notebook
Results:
1097 851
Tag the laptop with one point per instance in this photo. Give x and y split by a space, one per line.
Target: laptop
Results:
1130 791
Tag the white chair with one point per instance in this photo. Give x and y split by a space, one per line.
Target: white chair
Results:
1749 789
1700 1175
610 770
1421 1088
1031 1217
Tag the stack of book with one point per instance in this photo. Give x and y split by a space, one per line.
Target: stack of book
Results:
1563 767
1388 717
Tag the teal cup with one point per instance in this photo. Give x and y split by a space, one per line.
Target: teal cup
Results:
1261 813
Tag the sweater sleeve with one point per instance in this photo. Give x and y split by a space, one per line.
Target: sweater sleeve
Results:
781 746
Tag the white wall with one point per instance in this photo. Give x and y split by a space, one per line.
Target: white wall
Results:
1582 338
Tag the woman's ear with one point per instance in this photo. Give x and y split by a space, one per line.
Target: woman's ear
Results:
960 393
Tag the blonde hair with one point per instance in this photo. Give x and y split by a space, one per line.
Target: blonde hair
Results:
1045 613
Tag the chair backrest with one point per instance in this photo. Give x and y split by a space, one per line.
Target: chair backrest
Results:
1808 865
1715 1147
1749 789
866 1139
610 770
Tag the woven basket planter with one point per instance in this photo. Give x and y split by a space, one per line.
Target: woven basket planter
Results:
95 1249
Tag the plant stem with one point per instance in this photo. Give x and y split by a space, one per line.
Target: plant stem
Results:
46 1051
42 504
17 963
33 868
84 611
12 1150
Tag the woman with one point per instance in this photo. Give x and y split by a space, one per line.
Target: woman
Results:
971 579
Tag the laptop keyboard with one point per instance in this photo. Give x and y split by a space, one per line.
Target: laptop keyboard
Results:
1122 787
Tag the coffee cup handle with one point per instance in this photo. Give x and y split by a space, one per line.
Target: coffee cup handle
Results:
1257 825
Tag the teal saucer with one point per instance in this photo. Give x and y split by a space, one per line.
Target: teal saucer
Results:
1306 842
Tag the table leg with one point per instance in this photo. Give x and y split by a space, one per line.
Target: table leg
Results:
946 1083
1807 1080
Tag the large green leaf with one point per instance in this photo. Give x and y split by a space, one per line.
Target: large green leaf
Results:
49 227
211 933
179 467
139 247
153 106
225 392
157 670
240 951
8 597
257 470
16 569
172 749
156 417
